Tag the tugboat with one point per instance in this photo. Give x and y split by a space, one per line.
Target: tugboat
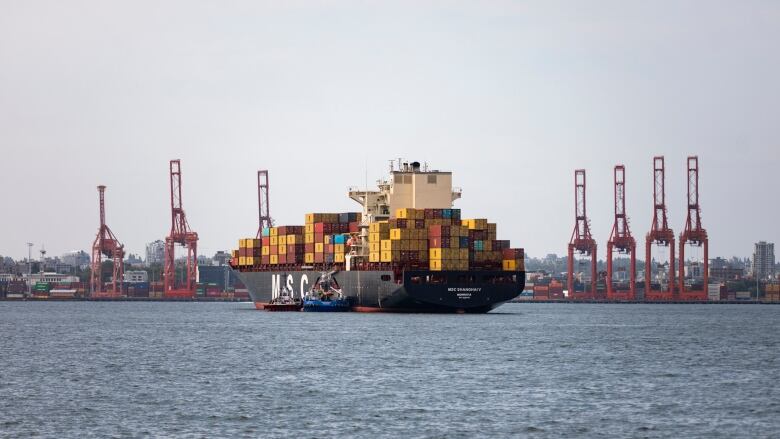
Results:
284 302
326 295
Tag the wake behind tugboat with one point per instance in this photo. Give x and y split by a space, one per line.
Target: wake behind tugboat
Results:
326 296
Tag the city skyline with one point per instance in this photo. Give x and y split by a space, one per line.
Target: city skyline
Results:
511 100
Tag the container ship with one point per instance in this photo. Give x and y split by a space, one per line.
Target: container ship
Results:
408 250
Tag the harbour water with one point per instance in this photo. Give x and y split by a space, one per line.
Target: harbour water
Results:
127 369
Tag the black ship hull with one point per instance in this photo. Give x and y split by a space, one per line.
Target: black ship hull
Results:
410 291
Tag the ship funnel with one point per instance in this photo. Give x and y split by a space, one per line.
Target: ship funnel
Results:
415 166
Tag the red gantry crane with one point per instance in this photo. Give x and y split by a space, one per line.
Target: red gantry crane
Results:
180 234
695 235
661 235
106 244
581 242
621 240
262 202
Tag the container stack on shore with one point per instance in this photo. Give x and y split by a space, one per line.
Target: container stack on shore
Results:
422 239
772 293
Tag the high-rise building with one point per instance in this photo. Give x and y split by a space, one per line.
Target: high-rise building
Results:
722 270
764 260
155 252
76 258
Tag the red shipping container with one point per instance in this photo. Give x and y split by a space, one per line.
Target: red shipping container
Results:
319 258
282 259
282 230
439 231
319 237
265 260
274 250
354 227
512 253
309 248
266 241
319 228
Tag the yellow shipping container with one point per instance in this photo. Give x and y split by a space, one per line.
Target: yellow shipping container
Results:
274 231
274 259
274 240
435 265
318 247
328 239
308 228
282 240
509 265
308 238
373 257
463 253
475 224
434 254
242 260
308 258
373 237
398 234
409 213
374 247
265 250
338 258
242 243
386 256
250 260
338 248
312 218
386 245
379 227
282 249
291 240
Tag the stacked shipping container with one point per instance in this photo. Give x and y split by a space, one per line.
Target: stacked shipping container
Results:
434 239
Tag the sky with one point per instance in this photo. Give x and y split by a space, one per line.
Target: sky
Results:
510 96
